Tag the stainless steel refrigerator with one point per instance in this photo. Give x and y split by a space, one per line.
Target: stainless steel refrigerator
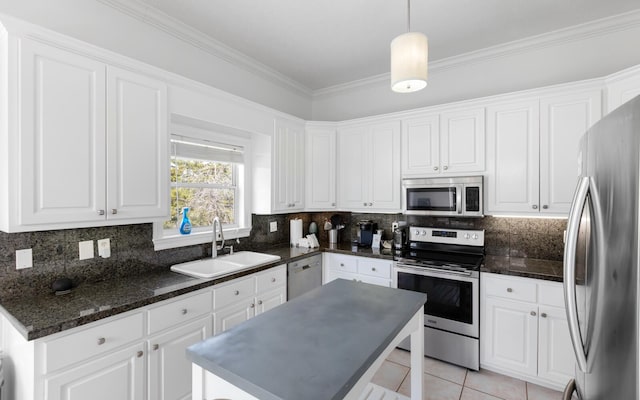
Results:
601 259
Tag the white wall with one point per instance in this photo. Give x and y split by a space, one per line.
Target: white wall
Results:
96 23
592 56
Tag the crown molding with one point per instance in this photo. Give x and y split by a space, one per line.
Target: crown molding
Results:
574 33
172 26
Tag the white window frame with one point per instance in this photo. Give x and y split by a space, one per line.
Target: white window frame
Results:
164 239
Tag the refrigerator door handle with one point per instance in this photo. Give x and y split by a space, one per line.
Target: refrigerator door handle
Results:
569 389
573 226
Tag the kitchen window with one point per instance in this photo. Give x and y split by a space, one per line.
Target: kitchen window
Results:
207 175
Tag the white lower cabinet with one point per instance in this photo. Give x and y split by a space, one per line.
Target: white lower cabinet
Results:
360 269
244 298
117 375
524 330
168 369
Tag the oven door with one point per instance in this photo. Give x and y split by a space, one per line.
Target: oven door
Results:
452 297
440 200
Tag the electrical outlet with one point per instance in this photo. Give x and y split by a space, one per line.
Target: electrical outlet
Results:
273 226
104 248
85 250
24 259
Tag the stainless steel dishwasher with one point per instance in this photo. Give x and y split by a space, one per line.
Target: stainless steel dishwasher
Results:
304 275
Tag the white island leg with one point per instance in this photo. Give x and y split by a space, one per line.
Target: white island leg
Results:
417 358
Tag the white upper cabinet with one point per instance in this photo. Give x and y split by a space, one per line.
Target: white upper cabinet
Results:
563 120
532 151
320 168
278 168
622 87
369 165
450 142
89 146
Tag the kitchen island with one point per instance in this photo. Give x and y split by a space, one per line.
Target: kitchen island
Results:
326 344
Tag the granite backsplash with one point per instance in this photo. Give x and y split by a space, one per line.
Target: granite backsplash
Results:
55 253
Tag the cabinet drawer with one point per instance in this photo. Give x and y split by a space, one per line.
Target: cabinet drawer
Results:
342 263
87 343
377 268
177 311
271 278
510 288
233 291
551 294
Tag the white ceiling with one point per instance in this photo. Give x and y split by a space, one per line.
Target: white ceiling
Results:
322 43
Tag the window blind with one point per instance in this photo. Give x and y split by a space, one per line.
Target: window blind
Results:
200 149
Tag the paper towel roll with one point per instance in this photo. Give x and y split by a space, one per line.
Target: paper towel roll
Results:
295 231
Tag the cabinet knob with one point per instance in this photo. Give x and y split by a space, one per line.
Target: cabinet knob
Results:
533 313
100 212
114 211
259 301
184 311
140 353
273 280
101 341
333 204
373 269
370 204
237 292
342 264
509 290
445 167
435 168
535 206
252 305
364 204
545 206
543 315
156 346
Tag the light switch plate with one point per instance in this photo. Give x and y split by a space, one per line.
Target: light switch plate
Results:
273 226
85 249
104 248
24 258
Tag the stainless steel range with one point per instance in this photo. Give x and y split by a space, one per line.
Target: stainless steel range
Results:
445 264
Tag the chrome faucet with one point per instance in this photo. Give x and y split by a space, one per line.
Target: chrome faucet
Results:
214 244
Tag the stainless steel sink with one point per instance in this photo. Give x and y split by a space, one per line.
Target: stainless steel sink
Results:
224 265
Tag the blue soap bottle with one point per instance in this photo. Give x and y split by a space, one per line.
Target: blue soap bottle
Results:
185 225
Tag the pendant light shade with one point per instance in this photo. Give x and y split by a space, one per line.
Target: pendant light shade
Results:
409 58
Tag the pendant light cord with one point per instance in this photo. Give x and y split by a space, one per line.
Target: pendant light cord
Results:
408 15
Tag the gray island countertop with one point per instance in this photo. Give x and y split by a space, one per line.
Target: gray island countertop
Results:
316 346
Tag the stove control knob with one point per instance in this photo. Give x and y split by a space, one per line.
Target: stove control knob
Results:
467 236
417 232
424 233
475 236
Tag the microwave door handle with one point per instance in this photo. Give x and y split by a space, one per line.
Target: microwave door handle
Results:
573 226
459 205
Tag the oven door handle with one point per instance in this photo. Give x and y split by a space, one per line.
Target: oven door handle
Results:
439 271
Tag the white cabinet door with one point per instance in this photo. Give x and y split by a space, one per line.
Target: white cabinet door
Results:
563 121
421 146
320 168
228 317
556 360
62 136
462 140
512 182
288 168
384 173
169 369
118 375
509 335
369 161
137 139
353 164
268 300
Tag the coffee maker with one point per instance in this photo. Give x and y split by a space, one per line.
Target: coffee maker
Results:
366 229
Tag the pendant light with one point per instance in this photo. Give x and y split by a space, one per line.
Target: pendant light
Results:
409 57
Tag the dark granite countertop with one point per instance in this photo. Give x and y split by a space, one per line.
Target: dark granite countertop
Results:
548 270
46 314
333 335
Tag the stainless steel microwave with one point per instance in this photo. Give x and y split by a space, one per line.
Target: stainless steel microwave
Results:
447 197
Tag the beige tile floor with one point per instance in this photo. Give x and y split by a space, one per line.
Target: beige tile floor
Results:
443 381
